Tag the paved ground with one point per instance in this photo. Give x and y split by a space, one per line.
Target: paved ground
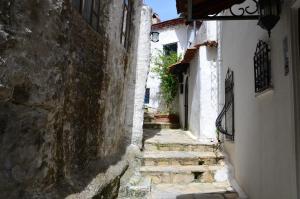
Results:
192 191
177 136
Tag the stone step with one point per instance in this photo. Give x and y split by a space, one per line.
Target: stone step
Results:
183 174
148 119
194 190
154 146
165 158
160 125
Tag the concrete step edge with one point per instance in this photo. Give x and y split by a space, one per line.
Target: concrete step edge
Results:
181 155
180 169
151 142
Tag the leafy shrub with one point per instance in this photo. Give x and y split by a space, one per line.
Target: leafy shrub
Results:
169 82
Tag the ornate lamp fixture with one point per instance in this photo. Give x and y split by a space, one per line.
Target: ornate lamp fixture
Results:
154 37
269 11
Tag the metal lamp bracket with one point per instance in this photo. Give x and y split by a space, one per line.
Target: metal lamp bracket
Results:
248 12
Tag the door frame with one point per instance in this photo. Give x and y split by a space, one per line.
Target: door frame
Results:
186 103
295 52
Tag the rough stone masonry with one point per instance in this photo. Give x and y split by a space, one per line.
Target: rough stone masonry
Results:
65 121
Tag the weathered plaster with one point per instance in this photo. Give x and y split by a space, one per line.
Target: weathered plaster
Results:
143 63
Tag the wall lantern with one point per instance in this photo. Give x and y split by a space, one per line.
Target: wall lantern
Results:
154 37
269 11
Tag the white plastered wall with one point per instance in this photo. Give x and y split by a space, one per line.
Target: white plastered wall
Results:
176 34
263 152
203 86
143 64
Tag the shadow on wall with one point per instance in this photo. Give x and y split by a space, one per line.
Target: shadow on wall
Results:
149 133
194 95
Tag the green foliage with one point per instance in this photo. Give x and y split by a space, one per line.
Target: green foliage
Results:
169 82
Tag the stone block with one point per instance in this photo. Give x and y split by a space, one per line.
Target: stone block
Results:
155 179
178 148
207 177
175 162
182 178
163 148
163 162
149 162
165 178
150 147
189 162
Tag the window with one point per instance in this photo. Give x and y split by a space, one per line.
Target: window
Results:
262 68
77 4
95 14
87 7
147 96
125 24
170 48
90 10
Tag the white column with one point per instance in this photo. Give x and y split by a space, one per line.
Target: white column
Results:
143 63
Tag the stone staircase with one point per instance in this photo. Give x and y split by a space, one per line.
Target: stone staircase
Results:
151 123
176 166
179 166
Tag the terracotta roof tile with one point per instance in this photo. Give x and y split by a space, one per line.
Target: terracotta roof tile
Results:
189 55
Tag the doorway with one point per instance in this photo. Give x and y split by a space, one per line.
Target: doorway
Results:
186 104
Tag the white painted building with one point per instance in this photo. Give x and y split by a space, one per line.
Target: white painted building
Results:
173 33
197 72
197 109
265 151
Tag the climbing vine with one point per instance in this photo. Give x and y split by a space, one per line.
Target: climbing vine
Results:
169 82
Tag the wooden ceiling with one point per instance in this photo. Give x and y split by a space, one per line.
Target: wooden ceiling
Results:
203 8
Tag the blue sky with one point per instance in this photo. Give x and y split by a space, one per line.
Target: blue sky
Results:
166 9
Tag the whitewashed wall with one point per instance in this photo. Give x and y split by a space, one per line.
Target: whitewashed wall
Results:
203 86
263 153
167 35
143 64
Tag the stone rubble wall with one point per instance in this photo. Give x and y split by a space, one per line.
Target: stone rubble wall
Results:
65 122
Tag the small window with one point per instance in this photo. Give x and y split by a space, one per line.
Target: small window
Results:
125 24
77 4
90 10
95 14
147 96
262 67
170 48
87 8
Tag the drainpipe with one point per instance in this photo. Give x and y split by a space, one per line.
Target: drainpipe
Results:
195 32
219 68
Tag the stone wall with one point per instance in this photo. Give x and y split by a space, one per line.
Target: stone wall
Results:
66 119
